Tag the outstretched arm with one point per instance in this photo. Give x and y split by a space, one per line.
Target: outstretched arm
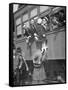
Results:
26 64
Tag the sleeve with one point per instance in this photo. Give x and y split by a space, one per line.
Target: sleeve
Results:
20 64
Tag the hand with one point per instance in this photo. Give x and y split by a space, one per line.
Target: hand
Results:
19 67
30 73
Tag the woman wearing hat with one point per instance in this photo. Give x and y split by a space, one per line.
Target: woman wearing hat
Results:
22 68
39 74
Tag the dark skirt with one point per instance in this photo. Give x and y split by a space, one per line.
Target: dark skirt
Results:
39 73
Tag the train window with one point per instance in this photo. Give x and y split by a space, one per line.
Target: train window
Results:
25 17
18 21
19 30
27 24
33 13
43 8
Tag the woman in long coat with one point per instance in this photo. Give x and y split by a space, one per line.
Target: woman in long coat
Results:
22 70
39 72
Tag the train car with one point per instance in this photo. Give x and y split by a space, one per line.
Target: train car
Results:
55 34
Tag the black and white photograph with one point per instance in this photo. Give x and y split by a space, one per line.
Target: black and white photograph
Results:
38 37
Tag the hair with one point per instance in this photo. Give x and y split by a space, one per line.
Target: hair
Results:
19 50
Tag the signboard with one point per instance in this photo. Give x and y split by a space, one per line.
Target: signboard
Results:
25 17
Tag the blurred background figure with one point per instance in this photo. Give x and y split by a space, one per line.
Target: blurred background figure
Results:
22 68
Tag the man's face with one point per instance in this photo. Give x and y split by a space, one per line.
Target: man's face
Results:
39 21
44 21
32 21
